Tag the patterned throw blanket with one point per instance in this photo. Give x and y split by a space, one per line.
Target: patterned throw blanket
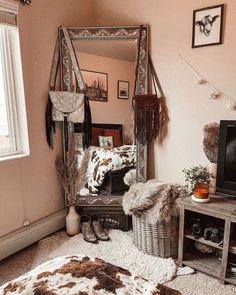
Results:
105 160
82 276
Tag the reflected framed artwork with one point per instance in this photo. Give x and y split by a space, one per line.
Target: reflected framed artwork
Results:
123 89
207 26
96 85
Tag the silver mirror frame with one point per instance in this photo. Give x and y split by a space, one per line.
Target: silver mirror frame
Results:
111 33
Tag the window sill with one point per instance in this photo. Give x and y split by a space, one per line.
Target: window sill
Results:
13 157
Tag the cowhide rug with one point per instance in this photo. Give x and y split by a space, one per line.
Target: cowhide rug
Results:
83 276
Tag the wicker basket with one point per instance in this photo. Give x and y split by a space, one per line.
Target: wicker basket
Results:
160 239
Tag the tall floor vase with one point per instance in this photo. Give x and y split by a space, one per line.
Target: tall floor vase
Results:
72 222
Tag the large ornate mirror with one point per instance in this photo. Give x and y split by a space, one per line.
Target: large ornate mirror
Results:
107 58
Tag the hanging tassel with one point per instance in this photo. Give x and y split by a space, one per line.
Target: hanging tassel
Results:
86 126
49 123
87 123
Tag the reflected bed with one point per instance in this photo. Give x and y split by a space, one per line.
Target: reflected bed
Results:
118 158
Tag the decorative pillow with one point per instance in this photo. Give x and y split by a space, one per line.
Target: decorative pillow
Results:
117 141
95 133
106 142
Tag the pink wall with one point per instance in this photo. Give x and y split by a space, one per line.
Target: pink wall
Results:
29 188
189 106
115 110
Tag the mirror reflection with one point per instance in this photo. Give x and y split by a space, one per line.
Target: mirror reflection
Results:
108 70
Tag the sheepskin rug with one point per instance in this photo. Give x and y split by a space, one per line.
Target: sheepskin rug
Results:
121 252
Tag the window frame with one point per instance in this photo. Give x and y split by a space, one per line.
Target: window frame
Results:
14 94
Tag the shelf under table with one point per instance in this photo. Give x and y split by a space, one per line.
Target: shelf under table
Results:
203 241
204 262
222 213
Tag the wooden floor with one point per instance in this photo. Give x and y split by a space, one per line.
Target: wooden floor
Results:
17 264
196 284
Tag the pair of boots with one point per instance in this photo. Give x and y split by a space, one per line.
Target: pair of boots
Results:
92 229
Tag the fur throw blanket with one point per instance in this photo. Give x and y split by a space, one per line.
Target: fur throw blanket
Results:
157 200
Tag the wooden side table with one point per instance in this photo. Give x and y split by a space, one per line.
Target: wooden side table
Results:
220 212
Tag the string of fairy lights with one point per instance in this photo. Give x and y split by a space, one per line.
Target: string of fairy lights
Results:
25 2
214 91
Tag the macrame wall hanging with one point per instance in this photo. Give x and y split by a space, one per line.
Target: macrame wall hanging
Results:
214 91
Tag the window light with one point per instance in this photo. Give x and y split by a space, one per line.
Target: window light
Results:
13 123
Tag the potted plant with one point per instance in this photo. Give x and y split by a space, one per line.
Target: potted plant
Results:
72 179
197 179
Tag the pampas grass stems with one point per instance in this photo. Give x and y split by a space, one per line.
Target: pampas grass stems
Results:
72 178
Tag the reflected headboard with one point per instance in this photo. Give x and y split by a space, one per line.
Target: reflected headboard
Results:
107 129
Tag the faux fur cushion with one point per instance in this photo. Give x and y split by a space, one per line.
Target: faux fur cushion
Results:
130 177
157 200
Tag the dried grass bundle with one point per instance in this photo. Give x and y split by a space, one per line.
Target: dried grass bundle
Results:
82 174
72 178
211 140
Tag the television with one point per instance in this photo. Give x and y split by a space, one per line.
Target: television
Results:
226 168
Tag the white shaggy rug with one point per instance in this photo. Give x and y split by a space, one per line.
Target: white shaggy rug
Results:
121 252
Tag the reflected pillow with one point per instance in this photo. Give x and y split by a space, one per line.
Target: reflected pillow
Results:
116 136
95 133
106 142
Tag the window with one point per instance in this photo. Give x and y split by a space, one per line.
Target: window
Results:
13 124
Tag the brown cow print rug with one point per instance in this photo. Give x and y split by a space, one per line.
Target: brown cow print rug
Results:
75 274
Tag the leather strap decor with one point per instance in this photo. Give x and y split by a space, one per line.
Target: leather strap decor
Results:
64 105
146 118
74 61
148 107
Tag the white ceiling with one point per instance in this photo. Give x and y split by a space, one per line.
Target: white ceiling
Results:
117 49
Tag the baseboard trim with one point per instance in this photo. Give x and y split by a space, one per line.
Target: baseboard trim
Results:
26 236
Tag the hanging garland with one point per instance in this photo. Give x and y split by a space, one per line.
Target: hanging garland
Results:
24 2
215 92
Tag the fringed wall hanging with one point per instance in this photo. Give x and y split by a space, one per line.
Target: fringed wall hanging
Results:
147 114
150 115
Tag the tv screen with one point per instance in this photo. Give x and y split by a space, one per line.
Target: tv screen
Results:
226 170
230 155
